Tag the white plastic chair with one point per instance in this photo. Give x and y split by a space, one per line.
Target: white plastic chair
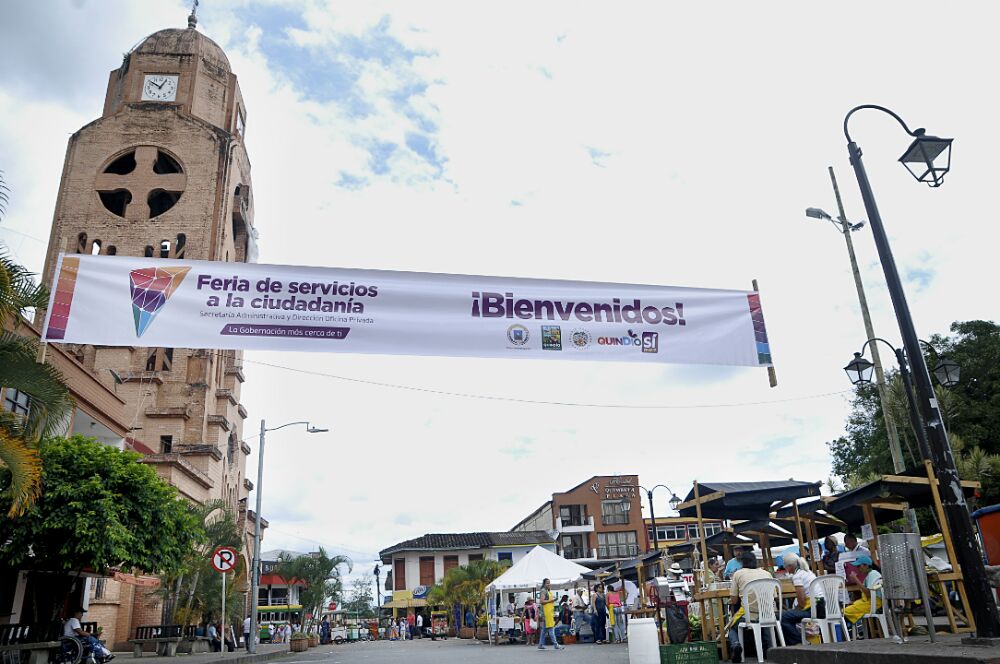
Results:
763 595
830 588
877 613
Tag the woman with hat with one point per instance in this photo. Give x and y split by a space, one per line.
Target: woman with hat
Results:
870 578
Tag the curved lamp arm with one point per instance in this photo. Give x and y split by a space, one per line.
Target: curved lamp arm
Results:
915 132
309 428
867 343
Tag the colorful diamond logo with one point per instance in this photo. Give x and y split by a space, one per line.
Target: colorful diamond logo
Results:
151 287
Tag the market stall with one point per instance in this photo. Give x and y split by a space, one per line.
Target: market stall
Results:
526 575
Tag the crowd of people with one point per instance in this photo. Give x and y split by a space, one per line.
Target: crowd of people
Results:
744 568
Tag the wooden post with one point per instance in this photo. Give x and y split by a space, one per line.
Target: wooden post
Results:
771 376
704 557
939 510
798 530
765 544
869 512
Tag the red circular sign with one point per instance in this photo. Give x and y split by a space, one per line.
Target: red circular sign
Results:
332 606
224 559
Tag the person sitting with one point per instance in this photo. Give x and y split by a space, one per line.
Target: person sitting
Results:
73 628
852 545
868 577
747 572
734 563
214 642
832 553
712 571
798 570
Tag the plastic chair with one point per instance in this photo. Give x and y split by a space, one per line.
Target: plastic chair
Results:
763 595
830 588
876 613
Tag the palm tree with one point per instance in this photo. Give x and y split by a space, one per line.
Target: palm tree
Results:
50 401
466 585
318 572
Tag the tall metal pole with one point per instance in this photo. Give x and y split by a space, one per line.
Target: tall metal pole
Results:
255 573
898 464
223 609
652 516
984 608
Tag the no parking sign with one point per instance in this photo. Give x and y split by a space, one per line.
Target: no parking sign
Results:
224 559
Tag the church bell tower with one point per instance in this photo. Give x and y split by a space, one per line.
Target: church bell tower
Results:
164 173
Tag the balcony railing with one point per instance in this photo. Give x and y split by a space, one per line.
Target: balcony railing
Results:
578 525
574 552
618 551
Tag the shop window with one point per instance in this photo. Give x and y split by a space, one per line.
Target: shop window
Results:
573 515
617 545
17 402
613 512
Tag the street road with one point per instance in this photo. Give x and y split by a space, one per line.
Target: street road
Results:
458 651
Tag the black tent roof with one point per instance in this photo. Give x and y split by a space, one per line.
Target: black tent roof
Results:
747 500
887 489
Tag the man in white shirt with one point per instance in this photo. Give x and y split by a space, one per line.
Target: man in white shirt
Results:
746 573
246 632
420 625
580 609
798 569
851 543
73 628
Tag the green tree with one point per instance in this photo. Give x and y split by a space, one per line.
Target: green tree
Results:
465 586
361 599
971 411
319 574
100 510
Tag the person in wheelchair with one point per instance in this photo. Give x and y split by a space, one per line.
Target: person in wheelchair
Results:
91 646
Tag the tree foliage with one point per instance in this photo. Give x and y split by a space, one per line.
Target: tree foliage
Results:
361 599
971 411
320 574
100 510
466 585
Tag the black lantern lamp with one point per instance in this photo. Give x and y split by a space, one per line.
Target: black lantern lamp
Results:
928 158
859 370
947 372
674 501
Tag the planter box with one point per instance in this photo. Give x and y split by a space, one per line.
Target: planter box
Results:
466 632
299 645
313 640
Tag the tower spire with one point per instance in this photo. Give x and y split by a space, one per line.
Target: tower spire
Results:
193 17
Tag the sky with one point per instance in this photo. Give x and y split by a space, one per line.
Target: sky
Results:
639 142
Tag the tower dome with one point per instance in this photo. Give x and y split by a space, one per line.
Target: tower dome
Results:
180 42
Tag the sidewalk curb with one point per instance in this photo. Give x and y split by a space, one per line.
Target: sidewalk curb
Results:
247 658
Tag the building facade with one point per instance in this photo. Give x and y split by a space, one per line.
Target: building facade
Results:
417 564
163 173
673 530
277 600
599 519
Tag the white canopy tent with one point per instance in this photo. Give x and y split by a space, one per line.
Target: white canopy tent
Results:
538 564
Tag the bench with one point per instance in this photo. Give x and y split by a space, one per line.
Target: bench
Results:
37 639
194 643
165 638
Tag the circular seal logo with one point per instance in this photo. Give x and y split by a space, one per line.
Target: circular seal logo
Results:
517 334
580 338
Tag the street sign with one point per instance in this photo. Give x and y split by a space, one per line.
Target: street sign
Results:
224 559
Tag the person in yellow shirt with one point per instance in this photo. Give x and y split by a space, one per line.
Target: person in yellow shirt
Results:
870 579
548 623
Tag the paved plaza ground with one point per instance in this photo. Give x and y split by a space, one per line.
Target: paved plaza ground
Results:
458 651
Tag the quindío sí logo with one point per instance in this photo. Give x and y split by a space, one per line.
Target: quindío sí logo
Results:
151 287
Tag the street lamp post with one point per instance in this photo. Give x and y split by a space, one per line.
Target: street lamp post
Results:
928 159
255 573
674 502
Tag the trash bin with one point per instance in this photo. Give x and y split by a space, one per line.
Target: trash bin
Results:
904 575
988 523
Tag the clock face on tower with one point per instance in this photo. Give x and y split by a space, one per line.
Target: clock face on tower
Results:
159 87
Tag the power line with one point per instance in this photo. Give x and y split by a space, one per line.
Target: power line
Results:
488 397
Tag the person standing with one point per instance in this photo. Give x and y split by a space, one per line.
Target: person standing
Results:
324 630
600 615
246 633
616 612
580 608
420 625
530 619
547 623
411 623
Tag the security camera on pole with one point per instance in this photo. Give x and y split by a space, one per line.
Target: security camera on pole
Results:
224 560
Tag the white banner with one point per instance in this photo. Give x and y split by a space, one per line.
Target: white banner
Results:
130 301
